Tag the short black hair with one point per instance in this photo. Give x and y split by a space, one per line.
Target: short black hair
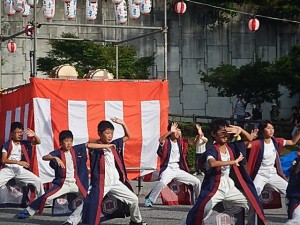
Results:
262 125
105 125
16 125
216 124
64 135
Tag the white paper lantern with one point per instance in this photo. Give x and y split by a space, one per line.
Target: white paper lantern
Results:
27 10
134 10
9 7
31 2
71 9
137 2
116 1
18 6
121 12
49 9
145 7
91 10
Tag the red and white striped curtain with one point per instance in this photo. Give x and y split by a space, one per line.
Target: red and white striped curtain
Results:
50 106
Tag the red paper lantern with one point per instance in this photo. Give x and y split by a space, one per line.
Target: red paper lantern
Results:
253 24
11 46
27 31
180 7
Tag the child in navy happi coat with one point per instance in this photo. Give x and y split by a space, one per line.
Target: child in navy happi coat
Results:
225 179
293 194
71 173
108 176
172 153
16 158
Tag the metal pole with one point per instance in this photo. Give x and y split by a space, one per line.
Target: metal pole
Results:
55 38
34 42
101 25
137 37
117 61
15 35
165 41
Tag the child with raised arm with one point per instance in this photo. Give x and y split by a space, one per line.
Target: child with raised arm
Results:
172 152
225 179
16 158
108 175
200 144
71 174
264 164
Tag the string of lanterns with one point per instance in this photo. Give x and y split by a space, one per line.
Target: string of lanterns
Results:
135 8
180 8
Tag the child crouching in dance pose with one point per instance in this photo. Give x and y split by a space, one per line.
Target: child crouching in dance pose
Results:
225 179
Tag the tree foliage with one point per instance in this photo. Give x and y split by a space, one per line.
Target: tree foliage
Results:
86 56
285 9
258 81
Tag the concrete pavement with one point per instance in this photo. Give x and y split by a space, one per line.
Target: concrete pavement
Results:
157 215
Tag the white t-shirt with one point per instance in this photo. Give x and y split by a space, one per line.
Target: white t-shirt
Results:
16 154
225 170
268 162
111 172
174 155
201 146
70 171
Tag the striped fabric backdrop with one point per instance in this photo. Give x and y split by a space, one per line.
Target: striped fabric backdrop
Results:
50 106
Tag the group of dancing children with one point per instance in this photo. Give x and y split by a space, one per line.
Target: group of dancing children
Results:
226 179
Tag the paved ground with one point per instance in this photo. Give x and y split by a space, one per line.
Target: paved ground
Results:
157 215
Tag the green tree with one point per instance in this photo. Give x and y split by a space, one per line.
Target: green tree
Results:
255 80
288 67
275 8
87 55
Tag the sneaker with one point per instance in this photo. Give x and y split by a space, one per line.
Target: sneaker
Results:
135 223
148 202
23 214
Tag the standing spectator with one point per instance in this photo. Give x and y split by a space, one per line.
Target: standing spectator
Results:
257 114
274 113
200 143
240 110
296 121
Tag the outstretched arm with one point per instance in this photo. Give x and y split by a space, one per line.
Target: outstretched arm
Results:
30 133
173 129
91 146
214 163
126 131
295 139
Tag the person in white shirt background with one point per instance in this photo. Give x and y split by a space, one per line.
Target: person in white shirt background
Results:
200 143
